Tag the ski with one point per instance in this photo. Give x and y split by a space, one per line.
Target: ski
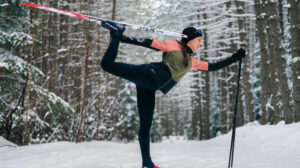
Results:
99 20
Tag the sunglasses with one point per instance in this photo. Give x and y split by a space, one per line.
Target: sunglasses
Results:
199 31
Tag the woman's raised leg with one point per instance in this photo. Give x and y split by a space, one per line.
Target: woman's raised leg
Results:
138 74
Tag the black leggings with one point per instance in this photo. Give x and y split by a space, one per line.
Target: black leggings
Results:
145 86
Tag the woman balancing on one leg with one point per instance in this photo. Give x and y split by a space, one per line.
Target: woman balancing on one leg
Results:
177 60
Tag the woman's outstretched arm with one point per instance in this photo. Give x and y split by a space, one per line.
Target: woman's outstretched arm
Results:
206 66
228 61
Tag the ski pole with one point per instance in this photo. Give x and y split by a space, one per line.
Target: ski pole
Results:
230 164
99 20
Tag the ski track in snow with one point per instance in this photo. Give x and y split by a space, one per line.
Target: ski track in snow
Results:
256 147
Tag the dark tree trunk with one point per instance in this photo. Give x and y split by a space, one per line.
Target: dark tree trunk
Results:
265 79
294 17
247 87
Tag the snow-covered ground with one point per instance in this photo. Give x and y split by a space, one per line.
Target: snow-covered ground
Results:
256 147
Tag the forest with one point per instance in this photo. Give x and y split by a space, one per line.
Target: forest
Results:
52 87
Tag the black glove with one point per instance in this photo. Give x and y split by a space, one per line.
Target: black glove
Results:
241 53
114 28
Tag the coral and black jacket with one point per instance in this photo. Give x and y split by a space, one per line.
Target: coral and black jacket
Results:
171 69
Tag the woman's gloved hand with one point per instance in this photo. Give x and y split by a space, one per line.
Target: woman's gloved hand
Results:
241 53
114 28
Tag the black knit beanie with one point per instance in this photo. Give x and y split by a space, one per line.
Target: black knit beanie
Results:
192 33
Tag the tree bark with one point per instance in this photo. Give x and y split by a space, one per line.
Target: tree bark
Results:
65 55
280 63
206 90
224 106
83 80
29 101
265 81
247 87
276 70
294 17
100 82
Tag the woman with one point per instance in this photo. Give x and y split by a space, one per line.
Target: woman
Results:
178 59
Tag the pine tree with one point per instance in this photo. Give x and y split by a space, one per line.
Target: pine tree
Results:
17 43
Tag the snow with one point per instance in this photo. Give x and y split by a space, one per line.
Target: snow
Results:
52 97
19 64
5 143
62 50
268 105
256 146
287 6
3 5
296 59
3 64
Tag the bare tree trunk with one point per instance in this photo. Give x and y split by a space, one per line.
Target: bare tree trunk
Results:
247 87
84 76
65 55
223 105
195 117
52 44
26 136
294 11
245 75
99 77
206 94
164 117
176 115
166 105
113 17
280 62
200 111
265 82
233 69
272 30
196 107
29 101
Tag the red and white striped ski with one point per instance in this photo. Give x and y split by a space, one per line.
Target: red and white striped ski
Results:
99 20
